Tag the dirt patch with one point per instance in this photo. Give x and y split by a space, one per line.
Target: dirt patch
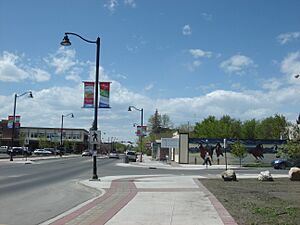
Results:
252 202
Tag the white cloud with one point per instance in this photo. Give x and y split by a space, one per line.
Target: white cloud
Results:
130 3
11 70
74 77
186 30
39 75
206 16
272 84
149 87
288 37
111 5
243 104
291 64
237 64
193 65
198 53
63 60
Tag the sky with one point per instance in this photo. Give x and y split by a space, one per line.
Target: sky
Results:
186 58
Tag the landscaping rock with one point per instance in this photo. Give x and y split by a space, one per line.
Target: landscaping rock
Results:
229 175
294 174
265 176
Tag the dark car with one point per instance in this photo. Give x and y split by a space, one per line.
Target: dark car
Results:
285 163
18 151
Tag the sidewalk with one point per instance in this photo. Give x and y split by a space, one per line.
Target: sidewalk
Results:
147 200
31 159
148 163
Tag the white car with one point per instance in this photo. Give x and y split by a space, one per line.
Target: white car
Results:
113 155
41 152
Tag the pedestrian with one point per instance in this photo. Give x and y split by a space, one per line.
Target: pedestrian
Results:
219 152
207 159
202 151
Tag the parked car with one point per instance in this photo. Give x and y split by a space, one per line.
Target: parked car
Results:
42 152
18 151
3 149
131 156
86 153
285 163
113 155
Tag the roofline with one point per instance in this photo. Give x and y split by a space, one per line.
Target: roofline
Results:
53 128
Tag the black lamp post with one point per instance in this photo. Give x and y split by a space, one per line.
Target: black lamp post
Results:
66 42
62 127
14 120
142 118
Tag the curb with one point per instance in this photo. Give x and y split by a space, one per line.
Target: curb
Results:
226 218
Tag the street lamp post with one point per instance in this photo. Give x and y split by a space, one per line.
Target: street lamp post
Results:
62 127
14 119
142 119
66 42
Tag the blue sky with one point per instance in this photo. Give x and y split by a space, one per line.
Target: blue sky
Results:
186 58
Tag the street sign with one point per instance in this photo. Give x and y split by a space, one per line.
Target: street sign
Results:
170 142
95 136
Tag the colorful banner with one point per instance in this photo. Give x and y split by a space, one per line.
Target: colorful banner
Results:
104 95
141 130
88 101
11 121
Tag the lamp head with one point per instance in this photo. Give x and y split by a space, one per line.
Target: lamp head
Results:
30 95
298 75
65 41
72 115
129 109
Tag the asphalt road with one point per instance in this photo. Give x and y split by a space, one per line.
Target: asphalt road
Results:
33 193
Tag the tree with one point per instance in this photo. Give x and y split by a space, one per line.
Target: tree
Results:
166 121
208 128
248 129
291 150
272 127
43 142
239 151
154 123
159 126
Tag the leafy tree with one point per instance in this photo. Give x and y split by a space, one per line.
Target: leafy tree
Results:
239 151
248 129
207 128
43 142
154 123
229 128
166 121
272 127
159 126
291 150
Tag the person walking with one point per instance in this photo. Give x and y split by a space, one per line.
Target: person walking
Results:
207 159
202 151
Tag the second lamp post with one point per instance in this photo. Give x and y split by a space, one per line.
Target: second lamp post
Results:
142 133
62 127
14 120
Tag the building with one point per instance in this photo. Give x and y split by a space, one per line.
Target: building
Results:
75 139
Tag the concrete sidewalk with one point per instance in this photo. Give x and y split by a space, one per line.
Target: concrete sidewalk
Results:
147 200
149 163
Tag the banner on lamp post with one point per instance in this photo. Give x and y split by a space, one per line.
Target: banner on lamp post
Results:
141 130
104 95
88 101
11 121
89 94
